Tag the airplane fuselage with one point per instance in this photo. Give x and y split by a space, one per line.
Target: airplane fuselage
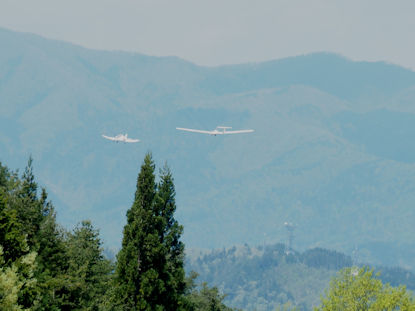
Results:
122 138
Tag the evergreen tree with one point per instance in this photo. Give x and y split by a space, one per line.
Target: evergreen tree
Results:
205 298
135 267
29 185
89 272
4 176
28 224
169 234
12 238
149 271
50 239
42 267
27 204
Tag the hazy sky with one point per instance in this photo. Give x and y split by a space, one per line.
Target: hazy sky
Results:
214 32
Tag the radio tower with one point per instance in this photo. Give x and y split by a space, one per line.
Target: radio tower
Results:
290 229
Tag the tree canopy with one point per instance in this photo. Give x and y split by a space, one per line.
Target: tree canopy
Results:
46 267
150 273
355 289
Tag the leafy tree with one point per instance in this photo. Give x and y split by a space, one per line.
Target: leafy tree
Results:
15 256
28 224
44 236
17 281
358 290
42 266
149 270
287 307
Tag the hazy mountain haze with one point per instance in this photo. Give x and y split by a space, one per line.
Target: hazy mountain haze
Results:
332 149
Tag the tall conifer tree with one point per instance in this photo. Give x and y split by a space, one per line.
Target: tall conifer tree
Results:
170 233
135 271
89 272
149 272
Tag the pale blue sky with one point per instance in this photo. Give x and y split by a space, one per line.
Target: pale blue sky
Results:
215 32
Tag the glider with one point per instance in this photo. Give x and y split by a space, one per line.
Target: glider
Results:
219 130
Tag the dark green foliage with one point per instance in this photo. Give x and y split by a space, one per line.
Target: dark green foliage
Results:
88 272
150 274
12 238
396 276
203 298
28 207
207 299
4 177
29 186
169 235
57 270
135 266
50 241
44 236
328 259
266 278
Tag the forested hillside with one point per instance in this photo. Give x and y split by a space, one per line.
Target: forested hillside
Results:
332 149
45 267
268 277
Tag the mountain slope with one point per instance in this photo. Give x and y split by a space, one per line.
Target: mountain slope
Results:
267 277
332 149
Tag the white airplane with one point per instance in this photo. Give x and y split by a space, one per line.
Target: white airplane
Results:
219 130
121 138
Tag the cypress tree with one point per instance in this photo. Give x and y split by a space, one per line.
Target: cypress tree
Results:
135 271
149 273
170 232
89 272
12 238
4 177
29 184
28 206
37 219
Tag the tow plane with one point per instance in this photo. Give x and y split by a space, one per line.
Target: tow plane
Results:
121 138
219 130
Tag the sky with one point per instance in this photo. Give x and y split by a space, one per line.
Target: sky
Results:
218 32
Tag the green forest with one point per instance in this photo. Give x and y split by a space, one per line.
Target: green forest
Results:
43 266
267 277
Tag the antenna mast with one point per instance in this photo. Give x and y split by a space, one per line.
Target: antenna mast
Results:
290 230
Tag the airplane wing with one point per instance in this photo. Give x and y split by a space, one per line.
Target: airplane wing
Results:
130 140
110 138
238 132
194 131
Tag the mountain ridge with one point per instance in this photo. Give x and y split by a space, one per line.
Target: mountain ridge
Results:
317 157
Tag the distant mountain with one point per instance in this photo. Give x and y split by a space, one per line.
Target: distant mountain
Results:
332 151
